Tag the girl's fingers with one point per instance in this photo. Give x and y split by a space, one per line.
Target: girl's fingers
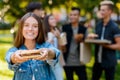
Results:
43 55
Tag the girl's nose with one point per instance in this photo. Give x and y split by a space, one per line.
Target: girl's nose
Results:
30 28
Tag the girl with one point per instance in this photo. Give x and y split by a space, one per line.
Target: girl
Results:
30 36
53 36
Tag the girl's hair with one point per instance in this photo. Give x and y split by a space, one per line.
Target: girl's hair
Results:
46 23
19 39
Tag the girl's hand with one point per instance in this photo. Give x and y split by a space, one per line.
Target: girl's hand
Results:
43 54
16 58
57 33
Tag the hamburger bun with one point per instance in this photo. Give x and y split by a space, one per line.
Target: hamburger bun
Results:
30 53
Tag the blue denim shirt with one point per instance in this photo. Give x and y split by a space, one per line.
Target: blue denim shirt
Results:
40 69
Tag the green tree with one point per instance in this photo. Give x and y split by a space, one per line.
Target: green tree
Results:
11 10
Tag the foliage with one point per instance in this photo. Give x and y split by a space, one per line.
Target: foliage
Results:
4 26
16 8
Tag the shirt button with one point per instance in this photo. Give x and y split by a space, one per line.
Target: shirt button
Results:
36 70
20 69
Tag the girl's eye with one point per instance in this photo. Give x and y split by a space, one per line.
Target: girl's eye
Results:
26 25
35 26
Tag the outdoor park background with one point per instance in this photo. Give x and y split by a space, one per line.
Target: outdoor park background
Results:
12 10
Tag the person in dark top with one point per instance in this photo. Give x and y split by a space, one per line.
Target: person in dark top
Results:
75 34
36 8
105 54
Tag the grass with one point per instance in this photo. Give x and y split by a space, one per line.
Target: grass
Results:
5 43
5 74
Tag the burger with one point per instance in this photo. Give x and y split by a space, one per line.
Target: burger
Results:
30 53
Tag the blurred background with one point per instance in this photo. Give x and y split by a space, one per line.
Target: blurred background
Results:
12 10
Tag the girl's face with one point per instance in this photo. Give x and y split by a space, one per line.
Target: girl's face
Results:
30 29
52 22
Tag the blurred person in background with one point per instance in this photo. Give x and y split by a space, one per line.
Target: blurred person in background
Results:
36 8
105 54
53 35
75 34
30 37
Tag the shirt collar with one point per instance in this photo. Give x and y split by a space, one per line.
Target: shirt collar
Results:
24 47
109 23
